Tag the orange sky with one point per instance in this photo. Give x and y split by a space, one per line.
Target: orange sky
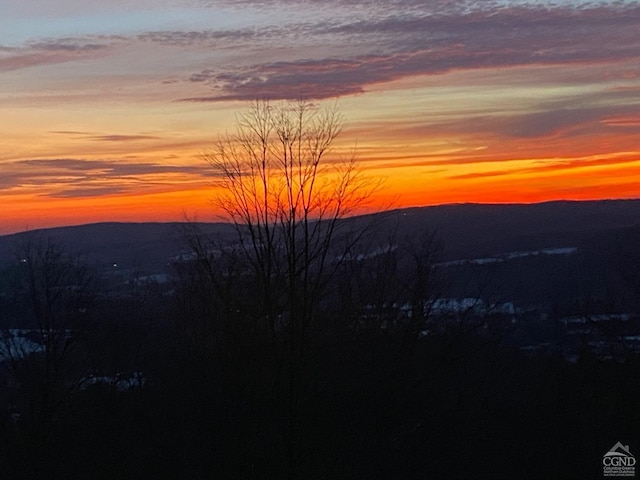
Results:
106 108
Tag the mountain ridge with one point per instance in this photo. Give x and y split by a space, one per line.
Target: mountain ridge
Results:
466 230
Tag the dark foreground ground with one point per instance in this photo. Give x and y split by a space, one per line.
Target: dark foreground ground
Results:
449 406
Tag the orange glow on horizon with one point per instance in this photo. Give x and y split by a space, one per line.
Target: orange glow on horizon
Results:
518 181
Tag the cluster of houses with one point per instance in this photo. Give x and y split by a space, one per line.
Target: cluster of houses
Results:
607 336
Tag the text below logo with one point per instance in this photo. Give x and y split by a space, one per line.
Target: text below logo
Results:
619 462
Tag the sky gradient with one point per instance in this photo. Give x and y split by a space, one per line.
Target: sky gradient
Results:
106 107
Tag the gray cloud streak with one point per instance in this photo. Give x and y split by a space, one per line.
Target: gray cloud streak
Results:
504 38
83 178
53 51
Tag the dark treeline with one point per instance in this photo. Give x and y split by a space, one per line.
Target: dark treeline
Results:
229 389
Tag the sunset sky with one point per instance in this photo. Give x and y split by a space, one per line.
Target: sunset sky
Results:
106 106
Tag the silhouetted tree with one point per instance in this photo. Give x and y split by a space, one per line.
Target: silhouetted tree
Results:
55 292
286 198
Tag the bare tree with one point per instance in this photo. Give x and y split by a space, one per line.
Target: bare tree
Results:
287 196
53 295
57 292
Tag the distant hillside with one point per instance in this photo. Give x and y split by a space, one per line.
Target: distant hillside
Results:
144 246
479 230
466 231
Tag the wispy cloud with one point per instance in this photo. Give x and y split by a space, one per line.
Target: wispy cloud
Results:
51 52
93 136
72 177
431 45
382 44
87 192
67 45
570 165
122 138
212 38
110 167
627 121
